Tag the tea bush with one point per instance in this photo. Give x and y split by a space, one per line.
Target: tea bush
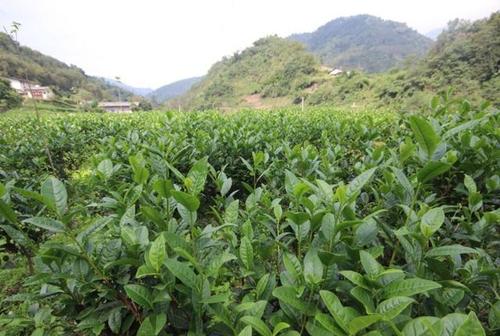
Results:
266 223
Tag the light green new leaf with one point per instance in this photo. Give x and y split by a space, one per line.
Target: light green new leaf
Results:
246 253
431 221
48 224
105 168
247 331
313 268
450 250
54 194
424 326
198 175
257 324
359 323
392 307
157 253
140 295
335 308
471 326
280 327
359 182
182 272
365 297
408 287
190 202
451 322
426 136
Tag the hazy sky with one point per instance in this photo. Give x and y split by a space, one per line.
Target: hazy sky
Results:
150 43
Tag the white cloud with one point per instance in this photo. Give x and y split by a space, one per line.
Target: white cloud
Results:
151 43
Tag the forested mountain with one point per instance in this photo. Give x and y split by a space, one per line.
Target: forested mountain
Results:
273 70
172 90
276 72
66 80
364 42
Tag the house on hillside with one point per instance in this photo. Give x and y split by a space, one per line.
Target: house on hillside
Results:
31 90
116 106
336 72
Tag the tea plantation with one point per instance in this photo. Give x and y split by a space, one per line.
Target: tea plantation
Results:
322 222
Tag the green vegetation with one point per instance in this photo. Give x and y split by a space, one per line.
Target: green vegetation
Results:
172 90
322 222
9 98
21 62
276 72
364 42
273 68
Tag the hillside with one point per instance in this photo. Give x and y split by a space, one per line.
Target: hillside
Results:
364 42
66 80
274 71
172 90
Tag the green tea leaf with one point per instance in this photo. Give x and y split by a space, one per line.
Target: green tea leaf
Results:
450 250
471 326
48 224
246 253
359 323
54 194
431 221
182 272
425 135
370 265
190 202
313 268
408 287
152 325
392 307
288 295
257 324
157 253
140 295
431 170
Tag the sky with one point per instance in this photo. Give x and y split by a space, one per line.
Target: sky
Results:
150 43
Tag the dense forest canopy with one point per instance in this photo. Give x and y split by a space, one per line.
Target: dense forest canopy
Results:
364 42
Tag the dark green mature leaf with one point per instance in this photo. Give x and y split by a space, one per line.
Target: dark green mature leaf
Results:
7 213
152 325
48 224
18 236
115 320
288 295
182 272
370 265
425 135
450 250
431 170
408 287
54 194
190 202
140 295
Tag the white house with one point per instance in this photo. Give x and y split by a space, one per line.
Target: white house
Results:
336 72
115 106
31 90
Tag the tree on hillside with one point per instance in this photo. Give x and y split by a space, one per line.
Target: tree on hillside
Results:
8 97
